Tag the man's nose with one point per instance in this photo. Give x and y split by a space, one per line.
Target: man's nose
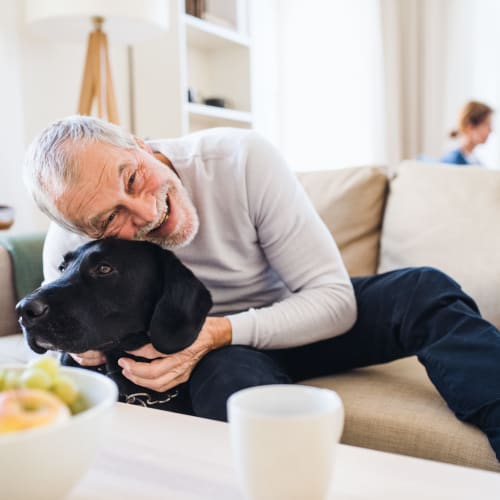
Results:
143 210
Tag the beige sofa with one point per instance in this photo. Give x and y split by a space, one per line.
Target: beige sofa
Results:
421 214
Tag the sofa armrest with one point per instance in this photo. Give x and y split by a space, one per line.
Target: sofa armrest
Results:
20 273
8 319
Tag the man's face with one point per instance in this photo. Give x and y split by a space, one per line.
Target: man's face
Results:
129 194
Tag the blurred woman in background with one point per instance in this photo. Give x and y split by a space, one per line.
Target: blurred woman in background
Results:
474 127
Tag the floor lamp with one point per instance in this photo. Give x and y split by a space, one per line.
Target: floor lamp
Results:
125 21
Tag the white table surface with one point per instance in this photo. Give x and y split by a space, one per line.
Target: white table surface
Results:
152 454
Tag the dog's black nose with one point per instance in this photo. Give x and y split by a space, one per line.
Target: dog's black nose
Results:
32 310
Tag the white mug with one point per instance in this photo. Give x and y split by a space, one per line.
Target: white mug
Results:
284 439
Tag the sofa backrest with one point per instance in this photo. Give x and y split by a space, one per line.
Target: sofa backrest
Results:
436 215
351 203
447 217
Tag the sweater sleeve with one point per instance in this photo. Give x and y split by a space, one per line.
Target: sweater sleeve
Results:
300 249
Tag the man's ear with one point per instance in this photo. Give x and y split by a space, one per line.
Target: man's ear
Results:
182 308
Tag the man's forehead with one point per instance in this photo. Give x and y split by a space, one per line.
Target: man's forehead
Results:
96 153
84 202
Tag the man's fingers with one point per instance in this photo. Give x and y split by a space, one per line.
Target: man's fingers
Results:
147 351
159 384
89 358
160 374
147 370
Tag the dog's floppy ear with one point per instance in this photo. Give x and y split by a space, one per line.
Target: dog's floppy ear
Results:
182 308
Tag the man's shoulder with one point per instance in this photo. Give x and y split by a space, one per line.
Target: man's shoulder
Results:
61 240
209 143
58 242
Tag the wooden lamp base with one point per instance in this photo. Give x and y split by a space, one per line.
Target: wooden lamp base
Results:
97 82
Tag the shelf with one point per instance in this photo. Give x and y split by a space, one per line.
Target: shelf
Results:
201 55
208 36
202 110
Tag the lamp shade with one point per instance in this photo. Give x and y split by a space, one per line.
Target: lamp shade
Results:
126 21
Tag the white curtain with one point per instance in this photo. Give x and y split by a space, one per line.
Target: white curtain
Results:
330 76
355 82
12 190
414 34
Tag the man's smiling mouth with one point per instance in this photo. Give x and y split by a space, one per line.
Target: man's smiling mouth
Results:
164 217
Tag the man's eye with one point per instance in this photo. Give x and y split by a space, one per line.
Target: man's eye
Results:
131 180
110 219
104 269
104 225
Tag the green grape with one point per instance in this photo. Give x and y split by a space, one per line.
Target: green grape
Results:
43 373
11 380
79 404
48 364
35 378
66 389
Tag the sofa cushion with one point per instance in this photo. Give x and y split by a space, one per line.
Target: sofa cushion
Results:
351 202
394 407
446 217
8 319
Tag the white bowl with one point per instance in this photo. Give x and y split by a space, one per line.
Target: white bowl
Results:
44 463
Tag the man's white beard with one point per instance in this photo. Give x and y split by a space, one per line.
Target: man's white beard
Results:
188 222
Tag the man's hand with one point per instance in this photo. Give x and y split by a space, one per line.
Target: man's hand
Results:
89 358
168 370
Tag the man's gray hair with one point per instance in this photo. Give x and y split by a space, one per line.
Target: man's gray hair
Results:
51 163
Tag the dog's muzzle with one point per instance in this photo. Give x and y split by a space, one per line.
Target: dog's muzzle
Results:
32 311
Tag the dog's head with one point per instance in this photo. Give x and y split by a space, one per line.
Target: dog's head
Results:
112 291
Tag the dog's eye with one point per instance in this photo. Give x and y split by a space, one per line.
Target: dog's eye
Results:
62 267
104 269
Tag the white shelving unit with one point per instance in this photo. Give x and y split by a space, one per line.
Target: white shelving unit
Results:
203 58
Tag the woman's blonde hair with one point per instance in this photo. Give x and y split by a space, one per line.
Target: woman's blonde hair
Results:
471 115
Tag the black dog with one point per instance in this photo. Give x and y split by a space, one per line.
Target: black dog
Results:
116 296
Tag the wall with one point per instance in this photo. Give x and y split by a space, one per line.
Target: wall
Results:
12 125
317 75
265 89
40 82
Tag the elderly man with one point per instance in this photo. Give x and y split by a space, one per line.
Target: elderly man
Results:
284 307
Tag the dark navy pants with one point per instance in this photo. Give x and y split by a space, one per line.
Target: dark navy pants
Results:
401 313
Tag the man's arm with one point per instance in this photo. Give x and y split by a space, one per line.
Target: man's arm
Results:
299 247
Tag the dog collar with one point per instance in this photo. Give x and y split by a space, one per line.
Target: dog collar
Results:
145 399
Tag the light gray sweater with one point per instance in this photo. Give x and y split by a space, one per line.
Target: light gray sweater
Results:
263 252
